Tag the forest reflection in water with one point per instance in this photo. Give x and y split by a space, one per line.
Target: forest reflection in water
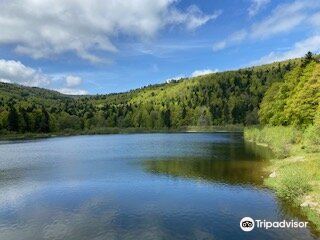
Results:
232 165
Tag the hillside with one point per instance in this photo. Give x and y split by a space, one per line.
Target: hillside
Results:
295 100
231 97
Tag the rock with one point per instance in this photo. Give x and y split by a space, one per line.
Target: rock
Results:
273 174
308 203
297 159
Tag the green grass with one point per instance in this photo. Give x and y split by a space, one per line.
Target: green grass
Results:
296 167
279 139
293 177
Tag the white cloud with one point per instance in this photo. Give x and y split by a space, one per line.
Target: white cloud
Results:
203 72
220 45
5 80
192 18
315 19
70 85
256 6
178 77
73 81
15 72
167 49
235 38
298 50
46 28
71 91
193 74
284 18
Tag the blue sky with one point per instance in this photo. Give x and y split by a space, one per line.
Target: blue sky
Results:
97 46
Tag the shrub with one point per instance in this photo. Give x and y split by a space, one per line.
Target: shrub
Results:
251 134
293 184
281 139
311 137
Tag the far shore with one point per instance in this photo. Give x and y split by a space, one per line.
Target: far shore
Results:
11 136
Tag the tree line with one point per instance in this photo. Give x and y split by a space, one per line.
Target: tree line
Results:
231 97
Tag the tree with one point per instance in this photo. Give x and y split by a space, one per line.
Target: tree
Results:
4 119
13 119
205 117
309 56
44 125
307 59
166 115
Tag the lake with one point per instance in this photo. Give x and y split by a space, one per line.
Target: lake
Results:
138 186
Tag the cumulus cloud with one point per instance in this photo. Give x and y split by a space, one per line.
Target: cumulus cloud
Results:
178 77
193 74
46 28
73 81
72 91
70 84
298 50
15 72
256 6
3 80
203 72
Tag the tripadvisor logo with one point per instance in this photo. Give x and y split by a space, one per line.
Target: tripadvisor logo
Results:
247 224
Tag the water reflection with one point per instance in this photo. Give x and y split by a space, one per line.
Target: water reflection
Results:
116 187
234 164
223 171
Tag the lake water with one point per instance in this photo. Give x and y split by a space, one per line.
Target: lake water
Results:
139 186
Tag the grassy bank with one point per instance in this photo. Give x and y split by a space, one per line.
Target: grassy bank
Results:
5 135
294 174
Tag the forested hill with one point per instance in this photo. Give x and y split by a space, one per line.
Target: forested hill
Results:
231 97
294 101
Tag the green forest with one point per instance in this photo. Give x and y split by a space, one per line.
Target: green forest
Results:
282 93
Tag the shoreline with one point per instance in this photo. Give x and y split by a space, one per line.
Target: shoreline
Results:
280 171
293 176
106 131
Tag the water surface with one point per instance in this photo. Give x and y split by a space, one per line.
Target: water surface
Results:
139 186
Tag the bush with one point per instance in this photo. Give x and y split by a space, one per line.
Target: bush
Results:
311 137
251 134
293 185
